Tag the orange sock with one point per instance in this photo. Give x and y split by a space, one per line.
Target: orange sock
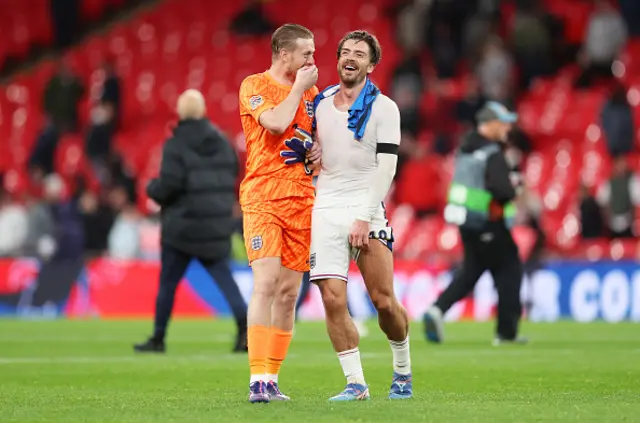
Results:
258 342
279 341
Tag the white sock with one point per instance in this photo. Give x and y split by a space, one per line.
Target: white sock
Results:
401 356
273 378
351 366
256 378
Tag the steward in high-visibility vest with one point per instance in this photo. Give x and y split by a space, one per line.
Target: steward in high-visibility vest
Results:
470 204
480 203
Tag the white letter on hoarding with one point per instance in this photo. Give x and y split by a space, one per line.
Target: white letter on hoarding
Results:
634 316
244 280
358 297
420 294
614 296
400 285
582 303
544 290
484 297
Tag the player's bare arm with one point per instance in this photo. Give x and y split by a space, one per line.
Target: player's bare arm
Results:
382 178
278 119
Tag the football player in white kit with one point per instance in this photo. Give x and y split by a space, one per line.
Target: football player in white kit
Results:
358 129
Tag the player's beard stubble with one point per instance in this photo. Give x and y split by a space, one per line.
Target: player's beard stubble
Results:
351 74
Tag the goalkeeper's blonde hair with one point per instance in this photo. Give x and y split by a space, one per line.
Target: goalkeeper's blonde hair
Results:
285 37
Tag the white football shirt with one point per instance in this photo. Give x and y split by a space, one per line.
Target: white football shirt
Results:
348 165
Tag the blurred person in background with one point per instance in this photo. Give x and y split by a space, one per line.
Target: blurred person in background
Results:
252 20
105 118
406 90
631 13
196 193
411 21
495 71
66 17
528 203
97 218
468 107
40 162
120 174
444 50
605 37
480 203
124 237
531 44
63 257
591 221
13 226
61 98
41 241
619 197
616 118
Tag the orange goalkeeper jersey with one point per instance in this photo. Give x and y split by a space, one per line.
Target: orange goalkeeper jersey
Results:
268 178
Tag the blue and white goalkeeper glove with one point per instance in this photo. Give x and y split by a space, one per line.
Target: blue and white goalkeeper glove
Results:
298 146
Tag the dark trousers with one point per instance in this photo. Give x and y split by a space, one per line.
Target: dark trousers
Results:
174 264
499 255
304 291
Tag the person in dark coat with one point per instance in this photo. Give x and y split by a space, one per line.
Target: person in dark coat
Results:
196 193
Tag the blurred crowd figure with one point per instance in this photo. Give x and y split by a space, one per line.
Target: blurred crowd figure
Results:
605 36
609 210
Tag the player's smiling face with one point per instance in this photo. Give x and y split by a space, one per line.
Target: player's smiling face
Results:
354 63
302 55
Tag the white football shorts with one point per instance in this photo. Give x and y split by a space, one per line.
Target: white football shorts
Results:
331 253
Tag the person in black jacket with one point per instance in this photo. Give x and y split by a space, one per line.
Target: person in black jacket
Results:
196 193
488 243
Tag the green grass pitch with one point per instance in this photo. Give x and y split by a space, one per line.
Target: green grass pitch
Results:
85 371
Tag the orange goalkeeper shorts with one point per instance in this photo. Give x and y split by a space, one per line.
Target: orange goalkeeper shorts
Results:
267 235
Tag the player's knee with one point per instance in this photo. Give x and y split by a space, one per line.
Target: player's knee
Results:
265 286
383 302
334 300
286 295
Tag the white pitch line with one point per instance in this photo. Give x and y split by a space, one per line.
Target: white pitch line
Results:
111 359
321 356
117 339
156 358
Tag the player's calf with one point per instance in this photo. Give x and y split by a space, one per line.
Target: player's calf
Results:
281 330
376 266
344 337
392 316
284 302
342 331
266 272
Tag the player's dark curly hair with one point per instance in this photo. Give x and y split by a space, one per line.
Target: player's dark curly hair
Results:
375 51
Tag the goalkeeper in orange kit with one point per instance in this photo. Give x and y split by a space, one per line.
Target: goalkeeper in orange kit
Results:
276 195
